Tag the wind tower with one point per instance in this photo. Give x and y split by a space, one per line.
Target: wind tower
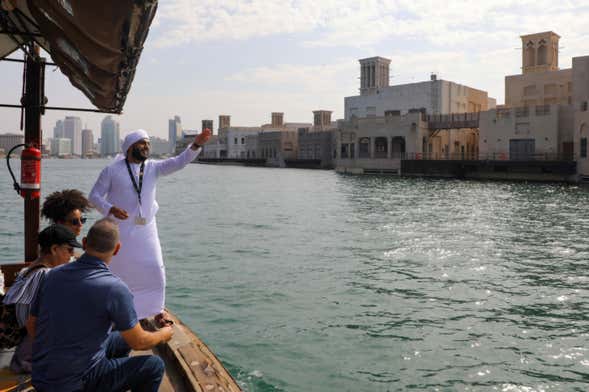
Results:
540 52
374 74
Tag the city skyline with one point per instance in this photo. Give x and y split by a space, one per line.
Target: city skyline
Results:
197 65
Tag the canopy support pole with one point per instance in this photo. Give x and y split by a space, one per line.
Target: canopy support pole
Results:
32 102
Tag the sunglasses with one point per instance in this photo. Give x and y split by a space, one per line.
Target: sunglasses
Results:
78 221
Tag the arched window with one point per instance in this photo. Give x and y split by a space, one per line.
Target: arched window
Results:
542 53
364 146
380 147
530 55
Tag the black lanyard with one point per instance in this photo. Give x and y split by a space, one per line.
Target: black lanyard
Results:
137 188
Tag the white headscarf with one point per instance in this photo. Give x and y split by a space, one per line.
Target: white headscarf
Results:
131 139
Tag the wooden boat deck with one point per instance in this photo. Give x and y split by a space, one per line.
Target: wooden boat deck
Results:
190 365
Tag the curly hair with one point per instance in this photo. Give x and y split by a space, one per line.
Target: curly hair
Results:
58 204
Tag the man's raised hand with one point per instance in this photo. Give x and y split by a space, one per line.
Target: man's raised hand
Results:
203 137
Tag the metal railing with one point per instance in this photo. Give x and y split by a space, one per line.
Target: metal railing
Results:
453 120
498 156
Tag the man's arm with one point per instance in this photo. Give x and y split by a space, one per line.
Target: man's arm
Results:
139 339
171 165
98 194
99 191
31 324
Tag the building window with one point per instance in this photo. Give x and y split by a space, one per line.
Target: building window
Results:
235 141
583 147
542 53
530 54
352 150
380 147
344 152
398 147
242 140
364 148
584 106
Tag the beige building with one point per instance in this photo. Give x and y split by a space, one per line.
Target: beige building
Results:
545 112
277 146
541 81
527 133
251 146
9 140
436 96
581 113
377 144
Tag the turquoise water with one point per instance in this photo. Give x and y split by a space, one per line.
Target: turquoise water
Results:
313 281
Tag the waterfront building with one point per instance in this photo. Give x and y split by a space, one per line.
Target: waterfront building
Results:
527 133
277 124
72 129
276 146
251 146
224 121
212 148
58 129
159 146
46 147
544 112
317 146
186 139
9 140
541 81
318 142
436 96
87 142
109 137
378 144
61 147
174 132
581 113
235 137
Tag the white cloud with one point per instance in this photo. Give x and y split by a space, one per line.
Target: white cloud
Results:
312 79
361 23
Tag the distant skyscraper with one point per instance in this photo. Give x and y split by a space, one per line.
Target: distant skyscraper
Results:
72 129
174 132
58 130
87 142
109 136
61 147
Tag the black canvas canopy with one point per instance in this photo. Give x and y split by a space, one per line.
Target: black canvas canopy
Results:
96 44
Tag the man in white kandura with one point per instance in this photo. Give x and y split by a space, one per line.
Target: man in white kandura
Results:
126 190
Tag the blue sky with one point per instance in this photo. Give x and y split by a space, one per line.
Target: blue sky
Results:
248 58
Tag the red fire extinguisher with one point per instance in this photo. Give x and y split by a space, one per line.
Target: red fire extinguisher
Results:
30 172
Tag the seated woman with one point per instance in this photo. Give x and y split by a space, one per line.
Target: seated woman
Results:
66 208
57 245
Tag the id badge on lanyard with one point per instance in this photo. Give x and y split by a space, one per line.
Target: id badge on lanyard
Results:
139 220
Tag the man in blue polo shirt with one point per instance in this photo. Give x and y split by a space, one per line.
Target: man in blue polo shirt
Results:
74 319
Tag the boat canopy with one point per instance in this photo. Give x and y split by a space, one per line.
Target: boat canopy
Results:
96 44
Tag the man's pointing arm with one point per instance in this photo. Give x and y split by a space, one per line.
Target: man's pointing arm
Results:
171 165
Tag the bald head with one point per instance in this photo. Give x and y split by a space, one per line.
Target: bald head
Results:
103 237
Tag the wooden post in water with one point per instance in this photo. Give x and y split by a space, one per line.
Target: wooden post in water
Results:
32 102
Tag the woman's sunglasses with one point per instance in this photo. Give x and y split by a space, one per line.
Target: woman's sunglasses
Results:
78 221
